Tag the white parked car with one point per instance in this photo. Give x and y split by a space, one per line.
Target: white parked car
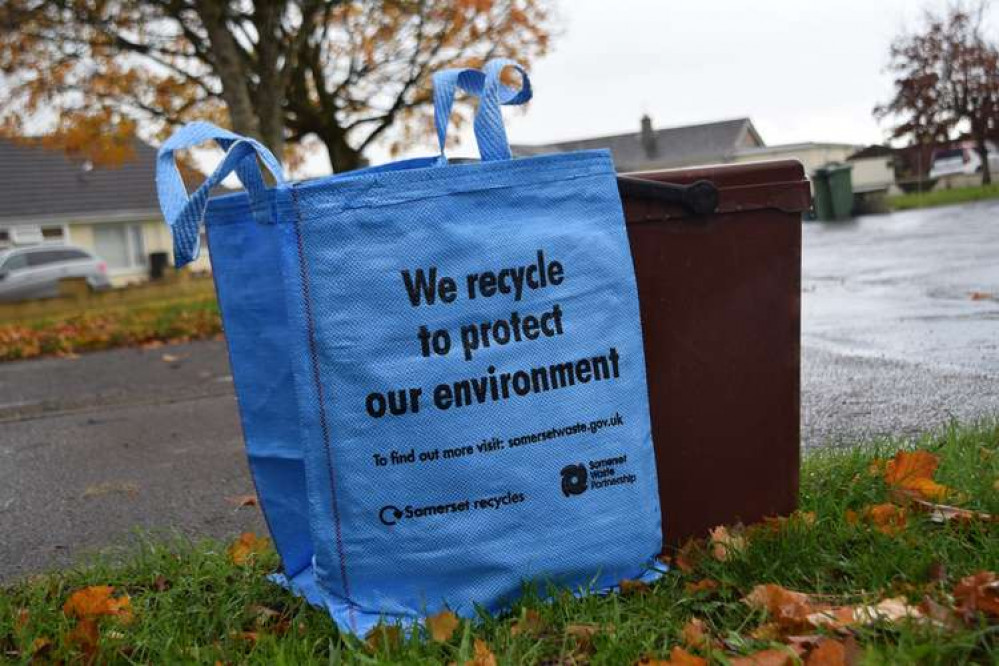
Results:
962 159
34 271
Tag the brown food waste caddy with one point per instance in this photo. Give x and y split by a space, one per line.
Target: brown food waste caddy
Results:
720 302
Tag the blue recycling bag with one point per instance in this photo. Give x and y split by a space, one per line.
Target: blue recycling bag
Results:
439 368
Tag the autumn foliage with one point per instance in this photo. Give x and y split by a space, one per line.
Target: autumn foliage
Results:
343 74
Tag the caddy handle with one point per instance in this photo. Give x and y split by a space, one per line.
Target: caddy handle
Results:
698 198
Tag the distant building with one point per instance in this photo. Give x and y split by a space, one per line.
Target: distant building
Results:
48 197
720 142
873 170
649 148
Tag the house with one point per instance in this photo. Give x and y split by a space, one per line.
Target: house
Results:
650 148
720 142
873 170
50 198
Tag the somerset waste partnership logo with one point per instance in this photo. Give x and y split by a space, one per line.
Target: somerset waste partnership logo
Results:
574 480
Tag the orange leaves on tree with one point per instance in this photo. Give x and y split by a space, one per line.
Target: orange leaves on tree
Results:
442 625
247 548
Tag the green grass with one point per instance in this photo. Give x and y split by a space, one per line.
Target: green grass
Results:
192 605
943 197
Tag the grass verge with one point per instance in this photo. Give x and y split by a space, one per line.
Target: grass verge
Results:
943 197
190 603
176 320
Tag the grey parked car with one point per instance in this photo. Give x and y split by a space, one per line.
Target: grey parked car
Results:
35 271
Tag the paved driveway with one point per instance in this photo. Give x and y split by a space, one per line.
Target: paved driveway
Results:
94 447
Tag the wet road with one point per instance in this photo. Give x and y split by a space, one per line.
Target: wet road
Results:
94 447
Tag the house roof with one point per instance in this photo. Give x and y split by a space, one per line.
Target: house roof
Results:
671 146
42 183
872 151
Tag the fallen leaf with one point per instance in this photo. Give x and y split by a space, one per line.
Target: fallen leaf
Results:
170 358
887 518
829 652
803 644
243 500
633 588
940 614
978 593
152 344
945 513
384 637
481 655
584 633
694 634
84 636
913 471
689 554
789 609
40 646
95 601
772 657
161 584
890 611
247 547
442 625
725 544
705 585
21 618
262 615
529 624
677 657
768 631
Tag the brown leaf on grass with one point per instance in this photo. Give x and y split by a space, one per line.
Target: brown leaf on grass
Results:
789 609
481 655
40 646
442 625
96 601
978 593
695 633
161 584
529 624
84 636
945 513
940 614
887 518
772 657
768 631
583 633
889 611
913 472
705 585
726 543
384 637
677 657
633 587
244 549
832 652
21 618
243 500
689 555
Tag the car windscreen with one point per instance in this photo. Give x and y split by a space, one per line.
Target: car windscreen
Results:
43 257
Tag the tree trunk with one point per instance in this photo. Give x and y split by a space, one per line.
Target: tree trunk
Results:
342 156
983 153
230 69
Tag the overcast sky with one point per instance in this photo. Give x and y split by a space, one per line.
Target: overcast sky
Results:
802 70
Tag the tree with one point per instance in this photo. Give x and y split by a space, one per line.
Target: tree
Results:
947 82
348 73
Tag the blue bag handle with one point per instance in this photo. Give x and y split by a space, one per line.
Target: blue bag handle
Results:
492 143
184 214
489 129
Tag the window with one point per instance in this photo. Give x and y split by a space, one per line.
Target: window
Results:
53 234
4 237
44 257
15 262
120 245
